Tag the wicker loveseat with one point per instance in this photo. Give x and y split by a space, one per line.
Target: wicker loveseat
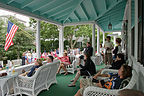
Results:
96 91
41 80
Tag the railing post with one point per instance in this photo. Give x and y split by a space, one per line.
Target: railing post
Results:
38 40
61 40
93 39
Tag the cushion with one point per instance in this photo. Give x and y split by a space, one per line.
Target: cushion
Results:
125 82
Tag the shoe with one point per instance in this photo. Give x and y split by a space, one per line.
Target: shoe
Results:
71 85
66 73
72 80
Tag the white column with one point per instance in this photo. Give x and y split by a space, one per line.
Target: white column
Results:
136 31
61 40
129 27
93 39
38 39
103 38
98 41
114 40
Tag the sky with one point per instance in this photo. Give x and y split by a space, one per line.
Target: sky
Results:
21 17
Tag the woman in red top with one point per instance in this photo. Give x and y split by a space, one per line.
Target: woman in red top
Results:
64 62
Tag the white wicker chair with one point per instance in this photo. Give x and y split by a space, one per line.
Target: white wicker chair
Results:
97 60
96 91
32 86
106 71
70 68
52 76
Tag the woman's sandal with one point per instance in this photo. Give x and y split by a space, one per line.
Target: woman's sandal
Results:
71 85
66 73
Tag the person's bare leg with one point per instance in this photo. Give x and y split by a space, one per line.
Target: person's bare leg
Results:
78 93
81 84
75 79
59 68
63 67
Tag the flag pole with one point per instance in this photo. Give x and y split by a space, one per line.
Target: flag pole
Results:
27 34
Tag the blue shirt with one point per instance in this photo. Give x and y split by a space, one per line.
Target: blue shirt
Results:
114 82
32 71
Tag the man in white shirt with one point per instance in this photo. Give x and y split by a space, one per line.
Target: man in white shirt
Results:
108 51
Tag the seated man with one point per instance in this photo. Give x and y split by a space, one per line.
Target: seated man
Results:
114 81
49 59
38 63
118 62
64 62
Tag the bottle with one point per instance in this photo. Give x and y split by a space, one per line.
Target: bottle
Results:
12 68
7 69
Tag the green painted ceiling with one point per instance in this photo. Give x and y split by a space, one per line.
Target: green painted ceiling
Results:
66 12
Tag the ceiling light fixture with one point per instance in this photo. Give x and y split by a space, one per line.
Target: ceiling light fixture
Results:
109 25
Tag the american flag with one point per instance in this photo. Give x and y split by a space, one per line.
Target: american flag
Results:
11 30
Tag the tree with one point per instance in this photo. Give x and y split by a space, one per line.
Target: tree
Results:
76 31
71 34
22 41
49 35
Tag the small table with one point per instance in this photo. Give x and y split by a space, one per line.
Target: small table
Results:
3 81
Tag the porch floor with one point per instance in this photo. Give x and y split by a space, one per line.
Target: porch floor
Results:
61 88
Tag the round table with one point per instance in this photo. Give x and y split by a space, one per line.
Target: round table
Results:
3 81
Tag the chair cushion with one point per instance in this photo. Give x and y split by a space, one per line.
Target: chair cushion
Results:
125 82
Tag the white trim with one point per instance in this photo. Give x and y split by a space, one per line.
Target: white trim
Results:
52 9
79 23
129 27
113 31
136 31
44 5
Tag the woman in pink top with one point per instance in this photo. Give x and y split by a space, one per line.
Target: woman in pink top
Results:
64 62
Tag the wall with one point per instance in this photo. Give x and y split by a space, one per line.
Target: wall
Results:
140 70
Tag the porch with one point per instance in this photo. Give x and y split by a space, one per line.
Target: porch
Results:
125 16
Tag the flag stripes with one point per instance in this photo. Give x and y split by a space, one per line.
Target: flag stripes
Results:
12 28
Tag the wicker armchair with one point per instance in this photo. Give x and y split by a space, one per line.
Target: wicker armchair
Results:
32 86
52 76
97 60
96 91
70 68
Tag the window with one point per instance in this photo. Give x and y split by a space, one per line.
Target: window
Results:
132 41
141 32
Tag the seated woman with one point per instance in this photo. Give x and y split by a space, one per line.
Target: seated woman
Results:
64 62
38 63
114 81
86 70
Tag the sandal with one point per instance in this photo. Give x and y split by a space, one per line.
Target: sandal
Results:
72 80
71 85
66 73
